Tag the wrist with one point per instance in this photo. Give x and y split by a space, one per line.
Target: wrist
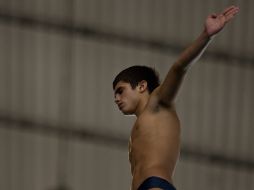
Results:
206 36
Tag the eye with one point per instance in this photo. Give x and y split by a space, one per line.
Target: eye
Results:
120 91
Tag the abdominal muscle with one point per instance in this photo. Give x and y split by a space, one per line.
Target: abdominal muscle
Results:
154 147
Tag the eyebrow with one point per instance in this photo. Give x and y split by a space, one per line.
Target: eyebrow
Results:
118 89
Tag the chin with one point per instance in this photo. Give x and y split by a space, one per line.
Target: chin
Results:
127 112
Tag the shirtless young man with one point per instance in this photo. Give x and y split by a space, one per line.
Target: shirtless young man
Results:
155 138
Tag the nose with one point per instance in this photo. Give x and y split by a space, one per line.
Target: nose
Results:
117 99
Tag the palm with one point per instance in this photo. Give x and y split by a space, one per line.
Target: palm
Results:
216 22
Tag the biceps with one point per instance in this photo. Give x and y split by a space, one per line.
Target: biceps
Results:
171 84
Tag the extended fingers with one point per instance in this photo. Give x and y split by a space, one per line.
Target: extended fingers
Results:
228 9
230 12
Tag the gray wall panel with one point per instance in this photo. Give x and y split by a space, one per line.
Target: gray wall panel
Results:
65 79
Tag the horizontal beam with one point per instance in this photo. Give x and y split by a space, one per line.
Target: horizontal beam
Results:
61 131
70 28
84 134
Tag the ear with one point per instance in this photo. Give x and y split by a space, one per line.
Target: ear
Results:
142 86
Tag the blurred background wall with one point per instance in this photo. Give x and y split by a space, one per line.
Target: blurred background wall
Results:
59 127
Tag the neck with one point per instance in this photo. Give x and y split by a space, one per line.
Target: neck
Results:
142 104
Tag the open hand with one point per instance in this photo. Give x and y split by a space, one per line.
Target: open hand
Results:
216 22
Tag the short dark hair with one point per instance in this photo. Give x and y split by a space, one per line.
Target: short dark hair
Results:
136 74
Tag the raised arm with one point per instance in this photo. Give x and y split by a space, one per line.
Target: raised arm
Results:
213 24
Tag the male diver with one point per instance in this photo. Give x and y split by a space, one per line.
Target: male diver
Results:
154 144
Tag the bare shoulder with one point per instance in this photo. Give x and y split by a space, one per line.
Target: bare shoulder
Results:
158 114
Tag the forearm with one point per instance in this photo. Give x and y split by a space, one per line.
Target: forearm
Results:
173 80
193 52
213 24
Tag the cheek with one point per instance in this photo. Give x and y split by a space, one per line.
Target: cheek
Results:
130 98
133 101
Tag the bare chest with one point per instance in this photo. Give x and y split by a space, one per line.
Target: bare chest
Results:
151 134
154 125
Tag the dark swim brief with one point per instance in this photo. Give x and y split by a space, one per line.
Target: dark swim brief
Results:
156 182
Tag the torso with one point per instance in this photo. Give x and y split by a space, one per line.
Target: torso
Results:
154 145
